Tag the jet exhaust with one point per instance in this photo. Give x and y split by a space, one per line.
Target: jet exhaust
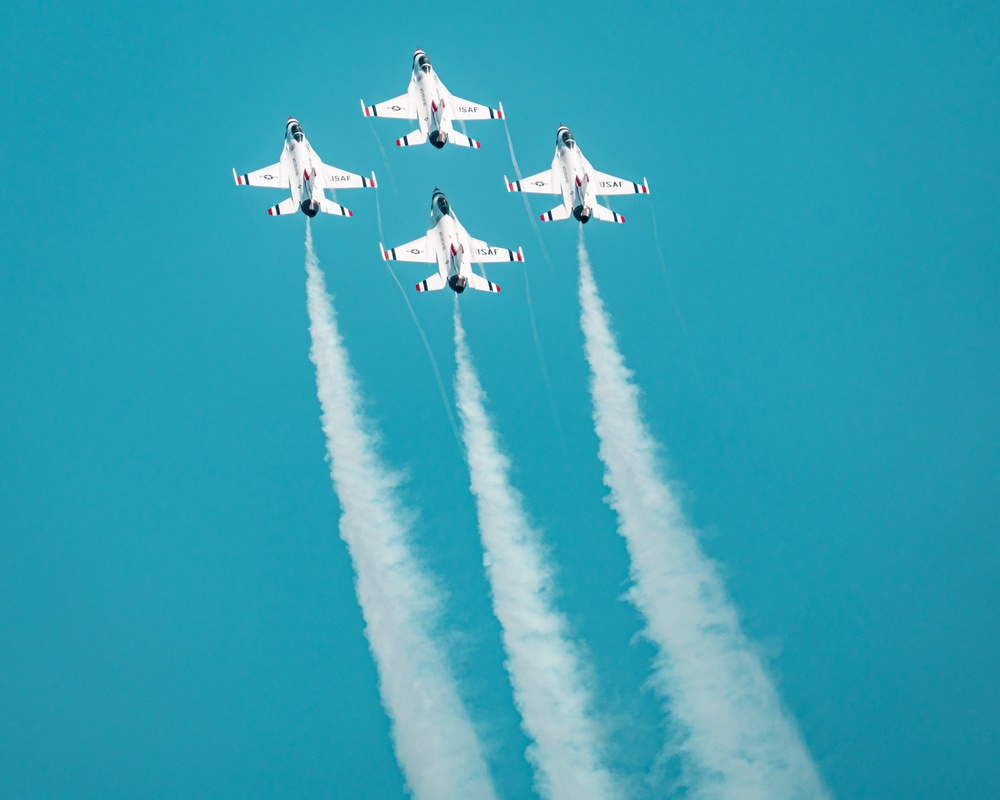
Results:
458 283
434 740
438 138
733 736
310 208
543 663
583 213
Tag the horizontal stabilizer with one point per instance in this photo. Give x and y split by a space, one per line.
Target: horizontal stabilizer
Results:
432 283
606 214
461 139
329 207
287 206
481 284
417 137
559 212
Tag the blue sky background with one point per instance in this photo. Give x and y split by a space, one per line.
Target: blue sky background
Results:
818 353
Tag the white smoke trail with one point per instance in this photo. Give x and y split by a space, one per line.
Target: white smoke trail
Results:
420 330
543 663
735 738
434 739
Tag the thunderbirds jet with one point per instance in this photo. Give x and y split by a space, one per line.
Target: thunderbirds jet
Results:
303 172
573 176
449 244
428 101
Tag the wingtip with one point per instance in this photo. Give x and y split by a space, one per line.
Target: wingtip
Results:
520 252
374 182
383 252
645 184
500 108
236 177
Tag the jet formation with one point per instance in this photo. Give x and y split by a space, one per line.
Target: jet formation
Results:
302 172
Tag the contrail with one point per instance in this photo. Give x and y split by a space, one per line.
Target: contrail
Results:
543 663
733 735
524 197
527 292
434 739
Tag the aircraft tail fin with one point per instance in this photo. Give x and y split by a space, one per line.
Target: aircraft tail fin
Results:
605 214
432 283
461 139
416 137
286 206
329 207
559 212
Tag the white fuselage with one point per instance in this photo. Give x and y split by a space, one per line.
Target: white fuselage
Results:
303 167
452 246
573 171
431 100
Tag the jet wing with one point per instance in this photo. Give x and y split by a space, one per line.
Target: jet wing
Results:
466 109
483 252
273 175
396 108
341 179
417 250
605 184
535 184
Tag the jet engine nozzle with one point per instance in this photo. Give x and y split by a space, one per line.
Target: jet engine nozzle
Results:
310 208
583 213
458 283
438 138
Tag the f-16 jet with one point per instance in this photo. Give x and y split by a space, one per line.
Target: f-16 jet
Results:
303 172
579 183
428 101
449 244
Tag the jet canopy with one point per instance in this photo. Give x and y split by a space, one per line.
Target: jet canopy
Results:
423 62
566 138
443 205
296 130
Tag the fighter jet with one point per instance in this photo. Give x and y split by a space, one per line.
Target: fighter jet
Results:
573 176
428 101
449 244
301 170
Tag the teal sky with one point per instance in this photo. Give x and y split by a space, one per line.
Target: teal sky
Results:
817 350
